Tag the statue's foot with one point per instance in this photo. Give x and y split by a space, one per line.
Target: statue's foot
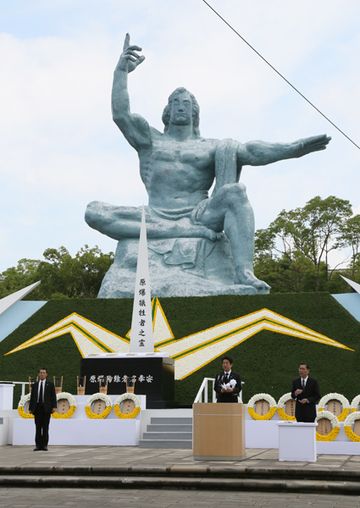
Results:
247 278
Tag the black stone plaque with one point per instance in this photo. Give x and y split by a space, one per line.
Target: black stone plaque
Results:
154 377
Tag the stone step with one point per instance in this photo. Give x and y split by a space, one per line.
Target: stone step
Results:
168 432
169 428
281 471
165 443
168 435
183 482
171 420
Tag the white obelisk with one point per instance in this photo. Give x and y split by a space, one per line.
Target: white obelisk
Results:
141 338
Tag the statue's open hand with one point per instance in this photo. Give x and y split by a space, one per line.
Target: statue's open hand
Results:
312 144
129 58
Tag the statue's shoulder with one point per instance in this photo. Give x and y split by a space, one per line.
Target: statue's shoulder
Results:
155 134
210 143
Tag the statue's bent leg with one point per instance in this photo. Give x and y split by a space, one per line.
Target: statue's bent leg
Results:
114 221
231 208
120 222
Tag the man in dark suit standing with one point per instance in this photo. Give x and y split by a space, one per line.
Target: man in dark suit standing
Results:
305 390
42 404
227 383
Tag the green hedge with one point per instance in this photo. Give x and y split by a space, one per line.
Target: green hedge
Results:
267 362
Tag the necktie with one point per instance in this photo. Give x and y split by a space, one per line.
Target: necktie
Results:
41 396
303 383
226 378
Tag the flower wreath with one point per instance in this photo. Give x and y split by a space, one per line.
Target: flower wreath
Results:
343 401
24 402
72 403
102 396
281 407
261 396
348 426
331 436
119 400
355 403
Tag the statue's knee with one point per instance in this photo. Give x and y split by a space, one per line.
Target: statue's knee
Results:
234 192
91 212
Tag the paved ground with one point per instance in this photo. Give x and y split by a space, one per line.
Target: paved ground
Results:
156 460
111 456
68 498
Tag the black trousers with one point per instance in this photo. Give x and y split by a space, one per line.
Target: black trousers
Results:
231 399
42 420
306 414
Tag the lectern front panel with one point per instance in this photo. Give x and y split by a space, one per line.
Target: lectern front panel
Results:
218 431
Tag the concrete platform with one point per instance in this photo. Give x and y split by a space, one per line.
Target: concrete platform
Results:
141 468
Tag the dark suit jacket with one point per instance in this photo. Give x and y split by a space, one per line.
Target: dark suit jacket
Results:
227 397
49 397
306 412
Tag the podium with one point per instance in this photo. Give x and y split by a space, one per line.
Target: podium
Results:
297 441
218 431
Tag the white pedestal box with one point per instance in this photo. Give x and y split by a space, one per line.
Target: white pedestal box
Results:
297 441
6 396
3 431
82 431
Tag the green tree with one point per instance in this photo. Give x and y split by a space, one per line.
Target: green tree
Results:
314 231
19 276
61 275
350 234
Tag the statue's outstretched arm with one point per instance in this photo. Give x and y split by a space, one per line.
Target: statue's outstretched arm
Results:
259 153
135 128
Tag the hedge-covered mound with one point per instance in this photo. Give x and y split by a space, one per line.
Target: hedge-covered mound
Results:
267 362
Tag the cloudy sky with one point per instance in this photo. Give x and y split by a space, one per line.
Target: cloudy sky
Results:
59 148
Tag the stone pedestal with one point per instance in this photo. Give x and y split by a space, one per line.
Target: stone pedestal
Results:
182 267
154 375
297 441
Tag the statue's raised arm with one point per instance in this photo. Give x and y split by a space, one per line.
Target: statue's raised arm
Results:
134 127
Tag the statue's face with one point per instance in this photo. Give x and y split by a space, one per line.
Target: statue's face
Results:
181 109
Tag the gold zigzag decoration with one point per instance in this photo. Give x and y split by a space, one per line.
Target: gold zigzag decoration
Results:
190 353
93 339
89 337
196 350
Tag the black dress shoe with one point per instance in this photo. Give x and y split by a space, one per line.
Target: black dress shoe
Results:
44 449
36 449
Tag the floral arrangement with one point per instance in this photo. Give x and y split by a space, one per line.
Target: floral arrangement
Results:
335 426
117 406
348 426
340 398
355 403
256 398
108 406
72 403
23 406
281 407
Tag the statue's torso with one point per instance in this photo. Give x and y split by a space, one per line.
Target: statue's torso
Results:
177 174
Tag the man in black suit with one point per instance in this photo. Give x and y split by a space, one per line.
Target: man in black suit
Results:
305 390
42 404
227 383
